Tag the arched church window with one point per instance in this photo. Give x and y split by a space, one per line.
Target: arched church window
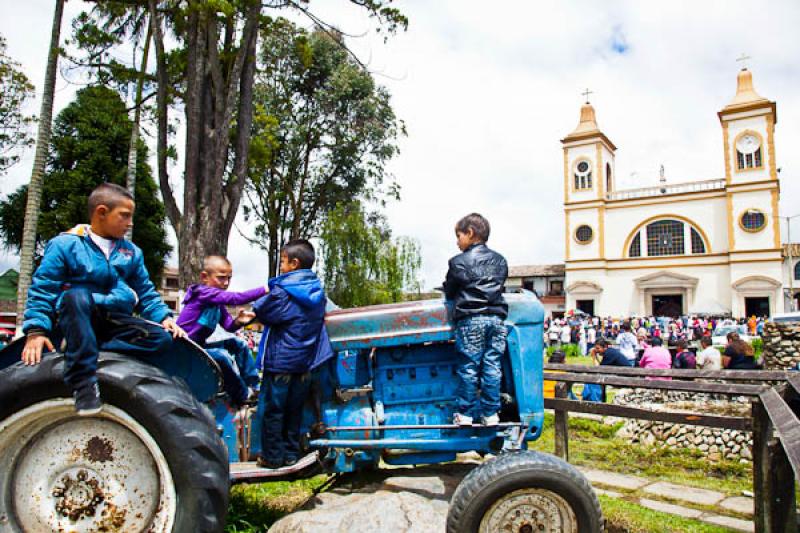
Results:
583 175
665 237
608 177
797 270
698 246
753 220
748 152
635 249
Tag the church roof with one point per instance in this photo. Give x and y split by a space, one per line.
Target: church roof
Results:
746 96
587 127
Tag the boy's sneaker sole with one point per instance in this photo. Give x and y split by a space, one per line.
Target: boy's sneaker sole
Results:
493 420
462 420
87 400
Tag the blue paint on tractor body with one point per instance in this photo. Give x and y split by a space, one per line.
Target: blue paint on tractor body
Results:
395 366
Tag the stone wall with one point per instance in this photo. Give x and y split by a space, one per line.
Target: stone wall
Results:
715 443
781 345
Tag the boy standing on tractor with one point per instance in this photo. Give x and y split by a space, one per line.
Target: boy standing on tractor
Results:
474 284
204 308
88 285
294 310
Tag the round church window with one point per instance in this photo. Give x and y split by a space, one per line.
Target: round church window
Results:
753 220
584 234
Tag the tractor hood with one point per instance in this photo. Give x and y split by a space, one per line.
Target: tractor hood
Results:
413 322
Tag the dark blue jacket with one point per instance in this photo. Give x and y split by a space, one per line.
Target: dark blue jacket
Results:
72 260
294 310
613 357
475 283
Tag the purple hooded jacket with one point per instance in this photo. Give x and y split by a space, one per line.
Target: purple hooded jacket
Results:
204 308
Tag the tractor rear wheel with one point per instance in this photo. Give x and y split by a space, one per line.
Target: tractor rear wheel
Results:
524 492
151 460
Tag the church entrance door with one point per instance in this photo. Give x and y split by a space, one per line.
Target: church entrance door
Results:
668 305
587 306
758 306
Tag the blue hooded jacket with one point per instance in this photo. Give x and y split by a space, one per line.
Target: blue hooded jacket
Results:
294 310
72 260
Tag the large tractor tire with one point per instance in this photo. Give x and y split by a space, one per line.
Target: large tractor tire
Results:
524 492
150 461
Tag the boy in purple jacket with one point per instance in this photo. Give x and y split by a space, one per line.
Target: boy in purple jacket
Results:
204 308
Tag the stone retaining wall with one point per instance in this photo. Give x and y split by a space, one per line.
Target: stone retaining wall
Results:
715 443
781 345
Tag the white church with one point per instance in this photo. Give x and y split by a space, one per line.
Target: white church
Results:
700 247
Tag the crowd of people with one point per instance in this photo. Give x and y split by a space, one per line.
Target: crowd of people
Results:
646 341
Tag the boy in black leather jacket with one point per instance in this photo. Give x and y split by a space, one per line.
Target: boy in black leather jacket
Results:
475 284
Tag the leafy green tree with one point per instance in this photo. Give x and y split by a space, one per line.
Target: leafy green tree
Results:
90 146
322 135
15 90
205 65
361 263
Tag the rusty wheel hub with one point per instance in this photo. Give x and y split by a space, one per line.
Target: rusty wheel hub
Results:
61 472
78 496
530 511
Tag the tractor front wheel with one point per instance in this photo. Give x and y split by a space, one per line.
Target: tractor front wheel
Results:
524 492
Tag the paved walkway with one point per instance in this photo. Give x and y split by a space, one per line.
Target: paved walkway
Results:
610 483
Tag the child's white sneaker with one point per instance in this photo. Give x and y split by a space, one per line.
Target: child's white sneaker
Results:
462 420
492 420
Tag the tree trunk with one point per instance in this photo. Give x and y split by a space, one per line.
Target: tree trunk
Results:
218 97
133 149
35 187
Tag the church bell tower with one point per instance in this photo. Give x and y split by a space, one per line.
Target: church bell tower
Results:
589 179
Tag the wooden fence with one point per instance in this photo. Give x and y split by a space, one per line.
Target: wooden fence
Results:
775 397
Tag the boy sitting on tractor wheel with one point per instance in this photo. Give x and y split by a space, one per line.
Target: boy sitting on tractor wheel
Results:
86 288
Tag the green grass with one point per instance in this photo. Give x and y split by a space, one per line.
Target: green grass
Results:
624 516
593 444
254 508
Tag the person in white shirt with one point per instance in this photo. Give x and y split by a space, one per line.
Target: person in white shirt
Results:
709 358
582 339
554 333
627 342
566 334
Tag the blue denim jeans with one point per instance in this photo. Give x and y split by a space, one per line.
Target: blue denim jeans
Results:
481 342
284 396
87 330
238 367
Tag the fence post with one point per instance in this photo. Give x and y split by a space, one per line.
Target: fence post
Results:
561 425
780 494
761 432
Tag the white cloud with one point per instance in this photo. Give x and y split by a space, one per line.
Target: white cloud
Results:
487 92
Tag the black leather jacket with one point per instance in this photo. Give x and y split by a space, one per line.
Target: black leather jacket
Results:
475 283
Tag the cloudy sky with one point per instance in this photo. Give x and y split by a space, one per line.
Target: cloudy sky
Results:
487 90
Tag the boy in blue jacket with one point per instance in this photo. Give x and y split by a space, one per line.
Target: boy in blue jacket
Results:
294 310
88 285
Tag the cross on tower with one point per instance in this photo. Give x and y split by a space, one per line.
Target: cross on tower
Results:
586 94
743 58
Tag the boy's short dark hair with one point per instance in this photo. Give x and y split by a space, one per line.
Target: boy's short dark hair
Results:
210 260
107 194
706 341
477 223
602 342
681 344
657 341
301 250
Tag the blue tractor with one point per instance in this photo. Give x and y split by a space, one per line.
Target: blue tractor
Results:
166 447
